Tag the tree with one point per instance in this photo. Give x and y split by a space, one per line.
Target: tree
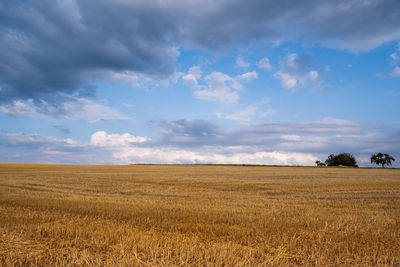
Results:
320 164
342 159
382 159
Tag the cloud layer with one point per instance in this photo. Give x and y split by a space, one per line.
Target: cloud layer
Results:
198 141
52 47
70 108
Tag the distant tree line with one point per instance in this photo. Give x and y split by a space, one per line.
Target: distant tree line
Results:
347 159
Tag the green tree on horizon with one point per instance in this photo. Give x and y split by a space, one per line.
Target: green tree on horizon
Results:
342 159
382 159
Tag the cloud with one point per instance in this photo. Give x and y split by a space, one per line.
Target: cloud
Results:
198 141
396 72
127 77
59 46
103 139
248 76
191 141
264 63
395 57
93 112
294 62
394 62
36 148
287 80
295 70
125 148
243 115
74 108
241 62
22 139
217 86
188 132
354 25
321 136
247 113
133 79
220 88
53 47
139 80
62 129
207 156
191 79
269 112
313 75
19 108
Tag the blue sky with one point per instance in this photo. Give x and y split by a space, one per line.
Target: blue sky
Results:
244 82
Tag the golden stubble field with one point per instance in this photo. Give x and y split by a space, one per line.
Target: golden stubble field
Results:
167 215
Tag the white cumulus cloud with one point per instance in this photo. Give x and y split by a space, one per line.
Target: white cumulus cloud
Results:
396 72
248 76
294 71
217 86
173 155
241 62
220 87
104 139
191 79
264 63
287 80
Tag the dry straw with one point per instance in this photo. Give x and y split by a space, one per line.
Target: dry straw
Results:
60 215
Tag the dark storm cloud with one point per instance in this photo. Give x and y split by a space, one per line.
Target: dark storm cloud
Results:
54 47
348 24
50 47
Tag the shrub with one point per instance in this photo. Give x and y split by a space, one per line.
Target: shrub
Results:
342 159
320 164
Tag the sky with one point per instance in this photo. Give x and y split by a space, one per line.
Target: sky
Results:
198 81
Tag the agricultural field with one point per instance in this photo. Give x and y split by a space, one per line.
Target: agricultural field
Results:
197 215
